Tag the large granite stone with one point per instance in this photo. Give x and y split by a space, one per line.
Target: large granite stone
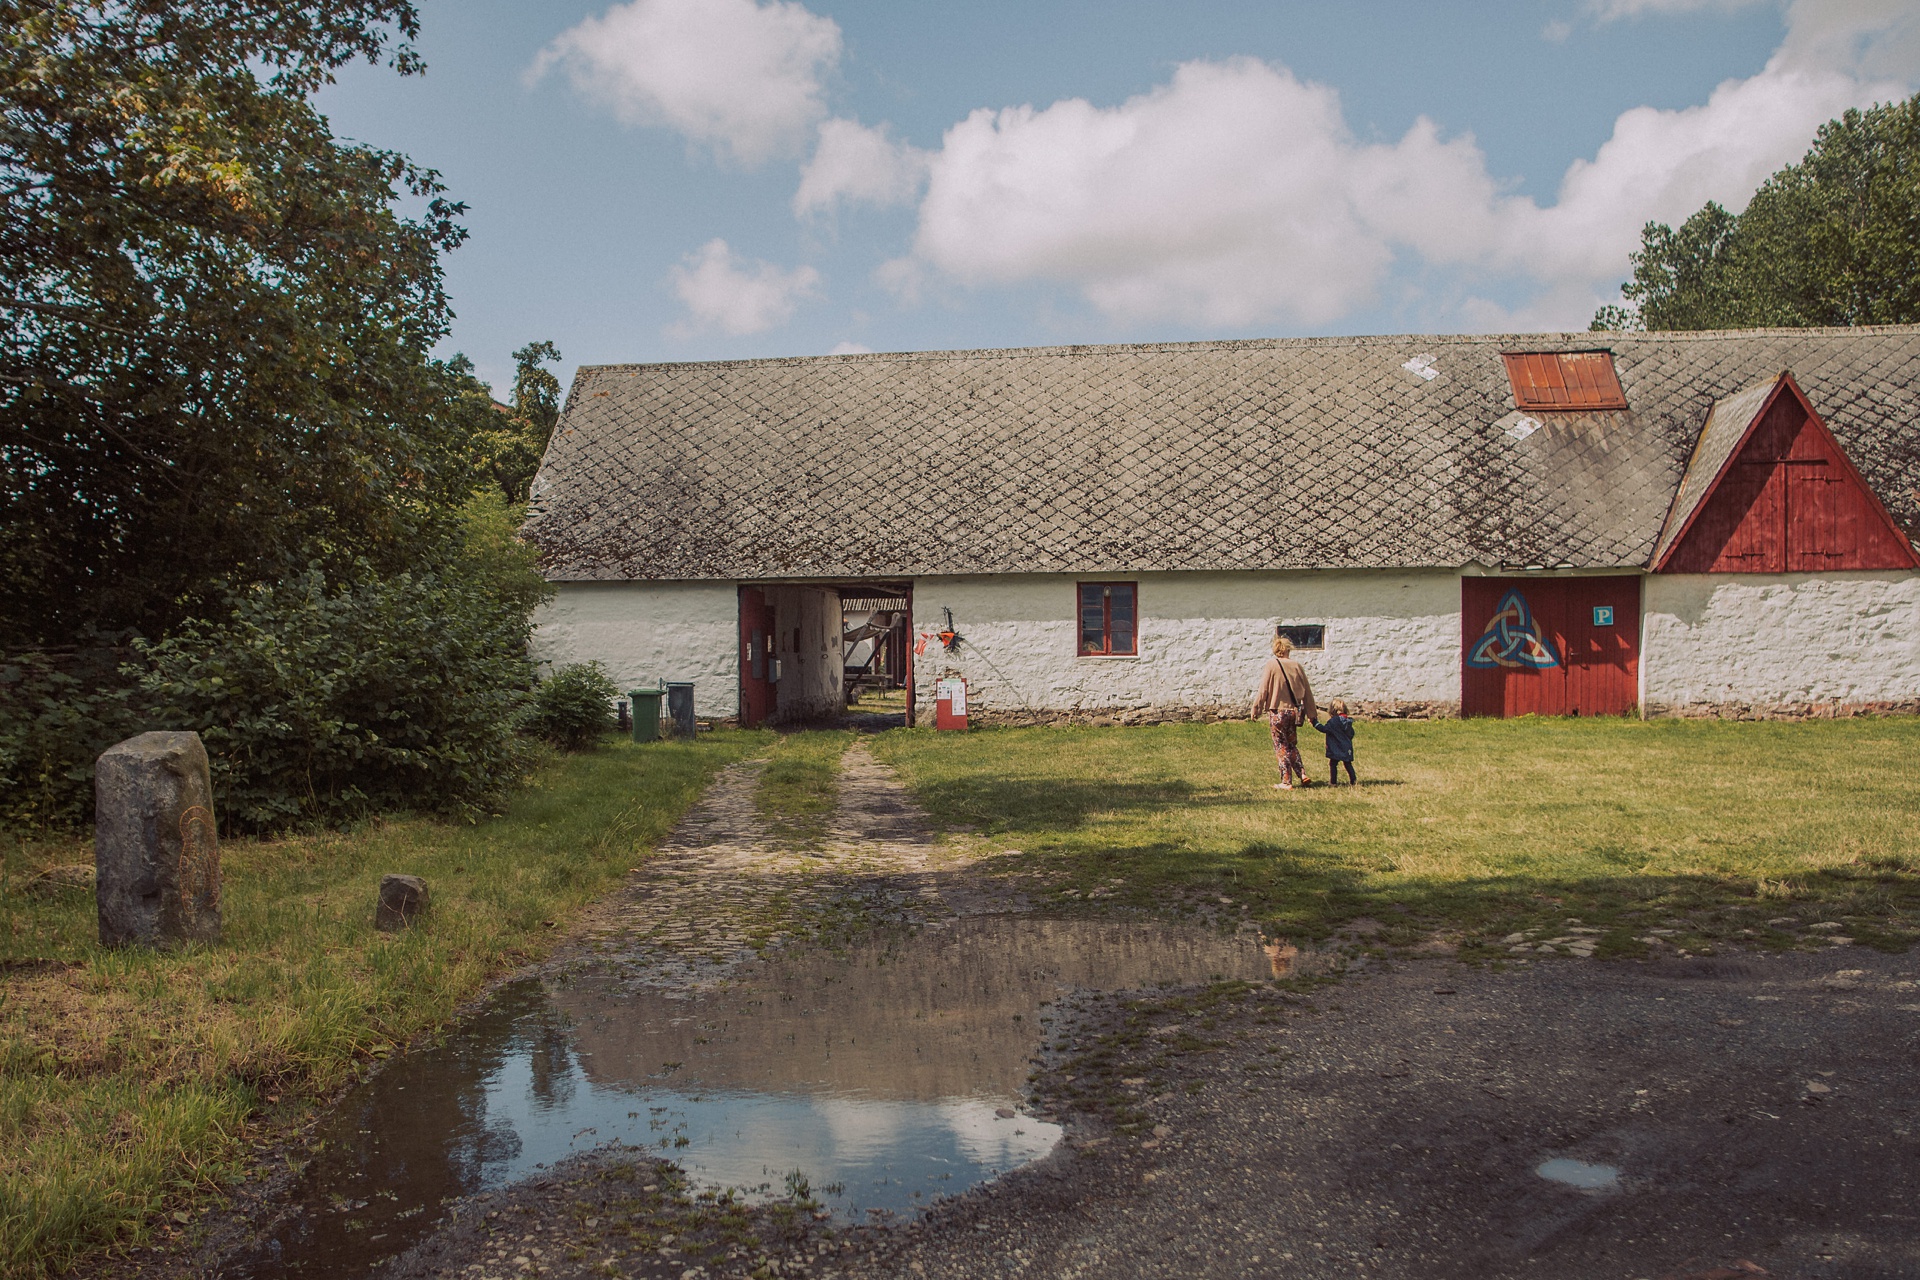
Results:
156 852
402 898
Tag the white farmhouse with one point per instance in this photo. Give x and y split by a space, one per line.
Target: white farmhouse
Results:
1589 523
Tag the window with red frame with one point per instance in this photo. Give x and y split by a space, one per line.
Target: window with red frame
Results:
1109 619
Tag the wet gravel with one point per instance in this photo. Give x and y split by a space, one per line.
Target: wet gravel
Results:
1764 1113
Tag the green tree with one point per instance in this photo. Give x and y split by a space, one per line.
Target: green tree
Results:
214 320
517 437
1832 240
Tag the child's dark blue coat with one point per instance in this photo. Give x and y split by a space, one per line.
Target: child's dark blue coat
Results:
1339 731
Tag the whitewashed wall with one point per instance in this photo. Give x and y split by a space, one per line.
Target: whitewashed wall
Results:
1391 637
1779 640
812 674
644 631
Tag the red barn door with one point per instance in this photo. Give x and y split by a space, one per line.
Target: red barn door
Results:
1549 646
1787 500
756 650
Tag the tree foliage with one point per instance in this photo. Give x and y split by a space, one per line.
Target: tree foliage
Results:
214 321
1832 240
237 493
516 438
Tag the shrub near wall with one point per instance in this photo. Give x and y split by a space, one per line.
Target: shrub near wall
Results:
570 706
320 706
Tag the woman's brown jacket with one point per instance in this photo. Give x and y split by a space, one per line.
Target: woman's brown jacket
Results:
1284 684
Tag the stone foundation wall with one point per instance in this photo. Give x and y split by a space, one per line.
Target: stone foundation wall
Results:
1780 710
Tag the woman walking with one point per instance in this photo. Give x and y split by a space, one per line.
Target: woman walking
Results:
1286 699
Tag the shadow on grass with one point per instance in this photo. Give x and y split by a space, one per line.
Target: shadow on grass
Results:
1023 805
1048 804
1306 893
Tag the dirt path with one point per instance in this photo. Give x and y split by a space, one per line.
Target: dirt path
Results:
724 887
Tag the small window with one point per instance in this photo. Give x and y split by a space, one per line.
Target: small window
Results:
1564 380
1312 636
1108 619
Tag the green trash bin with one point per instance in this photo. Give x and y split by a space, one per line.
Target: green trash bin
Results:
646 714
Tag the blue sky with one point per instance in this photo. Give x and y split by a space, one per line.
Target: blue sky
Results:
712 179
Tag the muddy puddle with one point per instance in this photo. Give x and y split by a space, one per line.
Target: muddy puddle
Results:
886 1076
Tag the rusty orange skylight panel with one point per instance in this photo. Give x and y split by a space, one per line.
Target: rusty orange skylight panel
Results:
1564 380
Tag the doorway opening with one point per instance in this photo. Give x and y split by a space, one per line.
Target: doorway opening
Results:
811 652
877 627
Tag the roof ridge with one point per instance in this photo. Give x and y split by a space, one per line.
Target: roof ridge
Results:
1328 341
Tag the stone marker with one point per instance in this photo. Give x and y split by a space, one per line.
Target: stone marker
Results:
401 899
156 853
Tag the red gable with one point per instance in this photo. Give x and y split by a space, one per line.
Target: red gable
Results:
1782 498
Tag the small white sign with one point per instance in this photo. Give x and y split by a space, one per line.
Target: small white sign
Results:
953 692
1522 427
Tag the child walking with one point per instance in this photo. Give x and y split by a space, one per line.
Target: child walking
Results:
1339 732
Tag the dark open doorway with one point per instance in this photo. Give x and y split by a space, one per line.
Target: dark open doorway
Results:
877 622
811 652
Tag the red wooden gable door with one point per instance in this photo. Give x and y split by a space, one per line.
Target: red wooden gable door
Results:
1788 501
756 656
1549 646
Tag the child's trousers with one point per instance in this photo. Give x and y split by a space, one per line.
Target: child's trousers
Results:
1333 772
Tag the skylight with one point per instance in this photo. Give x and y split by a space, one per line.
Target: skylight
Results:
1564 380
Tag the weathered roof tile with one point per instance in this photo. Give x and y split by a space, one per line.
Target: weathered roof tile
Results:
1307 453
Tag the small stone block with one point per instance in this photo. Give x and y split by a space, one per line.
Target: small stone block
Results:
156 851
402 898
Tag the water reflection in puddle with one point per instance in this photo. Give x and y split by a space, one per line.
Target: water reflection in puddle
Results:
878 1073
1578 1173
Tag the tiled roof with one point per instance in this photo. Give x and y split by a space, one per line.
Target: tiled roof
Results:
1727 424
1374 452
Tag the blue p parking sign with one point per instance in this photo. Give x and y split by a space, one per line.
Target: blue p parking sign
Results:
1603 615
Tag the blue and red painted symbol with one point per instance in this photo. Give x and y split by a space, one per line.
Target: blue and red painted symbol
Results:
1512 639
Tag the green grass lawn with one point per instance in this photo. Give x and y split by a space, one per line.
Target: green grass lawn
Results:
1473 828
130 1081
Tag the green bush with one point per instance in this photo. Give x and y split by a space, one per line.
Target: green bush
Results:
571 707
58 711
319 706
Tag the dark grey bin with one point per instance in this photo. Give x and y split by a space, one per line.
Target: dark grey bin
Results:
680 708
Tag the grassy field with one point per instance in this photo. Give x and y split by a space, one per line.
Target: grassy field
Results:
130 1081
1474 829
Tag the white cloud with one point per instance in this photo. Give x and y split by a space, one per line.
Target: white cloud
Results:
850 349
857 164
722 291
1614 10
1235 194
742 77
1219 198
1869 38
